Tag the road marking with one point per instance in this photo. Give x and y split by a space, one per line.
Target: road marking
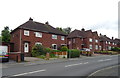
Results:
30 72
101 70
104 60
76 64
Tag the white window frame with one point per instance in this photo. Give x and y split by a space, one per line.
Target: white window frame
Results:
100 47
53 46
54 36
96 41
113 43
38 43
90 39
96 47
38 34
62 38
26 32
109 42
106 42
90 46
73 40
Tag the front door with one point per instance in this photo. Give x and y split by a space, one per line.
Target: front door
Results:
26 47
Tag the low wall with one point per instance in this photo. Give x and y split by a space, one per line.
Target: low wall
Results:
61 54
16 56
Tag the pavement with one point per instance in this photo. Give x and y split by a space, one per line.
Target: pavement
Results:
72 67
35 61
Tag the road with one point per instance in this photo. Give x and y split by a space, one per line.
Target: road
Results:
79 67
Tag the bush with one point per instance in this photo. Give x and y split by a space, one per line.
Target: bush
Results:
55 51
38 50
73 53
115 49
52 56
64 48
48 50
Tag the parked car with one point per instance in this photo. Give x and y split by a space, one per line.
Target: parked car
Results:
86 52
4 57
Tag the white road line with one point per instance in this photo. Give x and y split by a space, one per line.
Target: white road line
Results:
75 64
30 72
104 60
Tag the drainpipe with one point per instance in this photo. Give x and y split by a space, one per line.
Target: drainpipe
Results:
20 41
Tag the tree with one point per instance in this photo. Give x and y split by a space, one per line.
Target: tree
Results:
59 28
67 30
6 34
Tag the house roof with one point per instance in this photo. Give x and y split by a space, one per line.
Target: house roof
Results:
117 41
81 34
32 25
105 38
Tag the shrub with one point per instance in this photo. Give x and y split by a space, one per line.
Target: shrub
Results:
73 53
48 50
64 48
56 51
38 50
52 55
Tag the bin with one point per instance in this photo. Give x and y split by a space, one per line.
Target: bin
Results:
22 56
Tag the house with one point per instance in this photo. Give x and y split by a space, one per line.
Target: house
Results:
31 33
79 39
117 42
107 43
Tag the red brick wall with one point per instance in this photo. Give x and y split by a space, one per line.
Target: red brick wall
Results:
46 40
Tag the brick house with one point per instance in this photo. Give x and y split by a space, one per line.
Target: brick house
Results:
30 33
107 43
79 39
117 42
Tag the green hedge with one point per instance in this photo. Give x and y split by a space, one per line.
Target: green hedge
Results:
73 53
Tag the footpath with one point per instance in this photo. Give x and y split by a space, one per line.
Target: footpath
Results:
38 61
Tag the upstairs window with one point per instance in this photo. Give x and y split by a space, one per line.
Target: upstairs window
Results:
106 42
90 39
62 38
96 41
37 34
26 32
54 36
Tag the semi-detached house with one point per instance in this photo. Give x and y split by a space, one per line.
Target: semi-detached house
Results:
79 39
24 37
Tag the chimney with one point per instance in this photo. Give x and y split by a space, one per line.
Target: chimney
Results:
82 29
30 19
112 38
47 23
100 34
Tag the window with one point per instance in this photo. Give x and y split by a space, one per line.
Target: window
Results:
54 46
38 43
96 41
109 47
96 47
62 38
90 39
37 34
100 47
90 46
26 32
54 36
106 42
73 40
109 42
113 43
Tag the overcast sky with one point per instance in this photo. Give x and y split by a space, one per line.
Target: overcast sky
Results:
97 15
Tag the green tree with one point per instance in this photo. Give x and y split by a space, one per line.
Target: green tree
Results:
67 30
64 48
6 34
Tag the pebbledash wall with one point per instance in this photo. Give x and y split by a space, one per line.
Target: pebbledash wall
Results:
19 39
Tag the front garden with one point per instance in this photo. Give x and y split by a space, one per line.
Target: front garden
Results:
40 51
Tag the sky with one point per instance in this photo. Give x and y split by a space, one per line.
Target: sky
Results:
97 15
